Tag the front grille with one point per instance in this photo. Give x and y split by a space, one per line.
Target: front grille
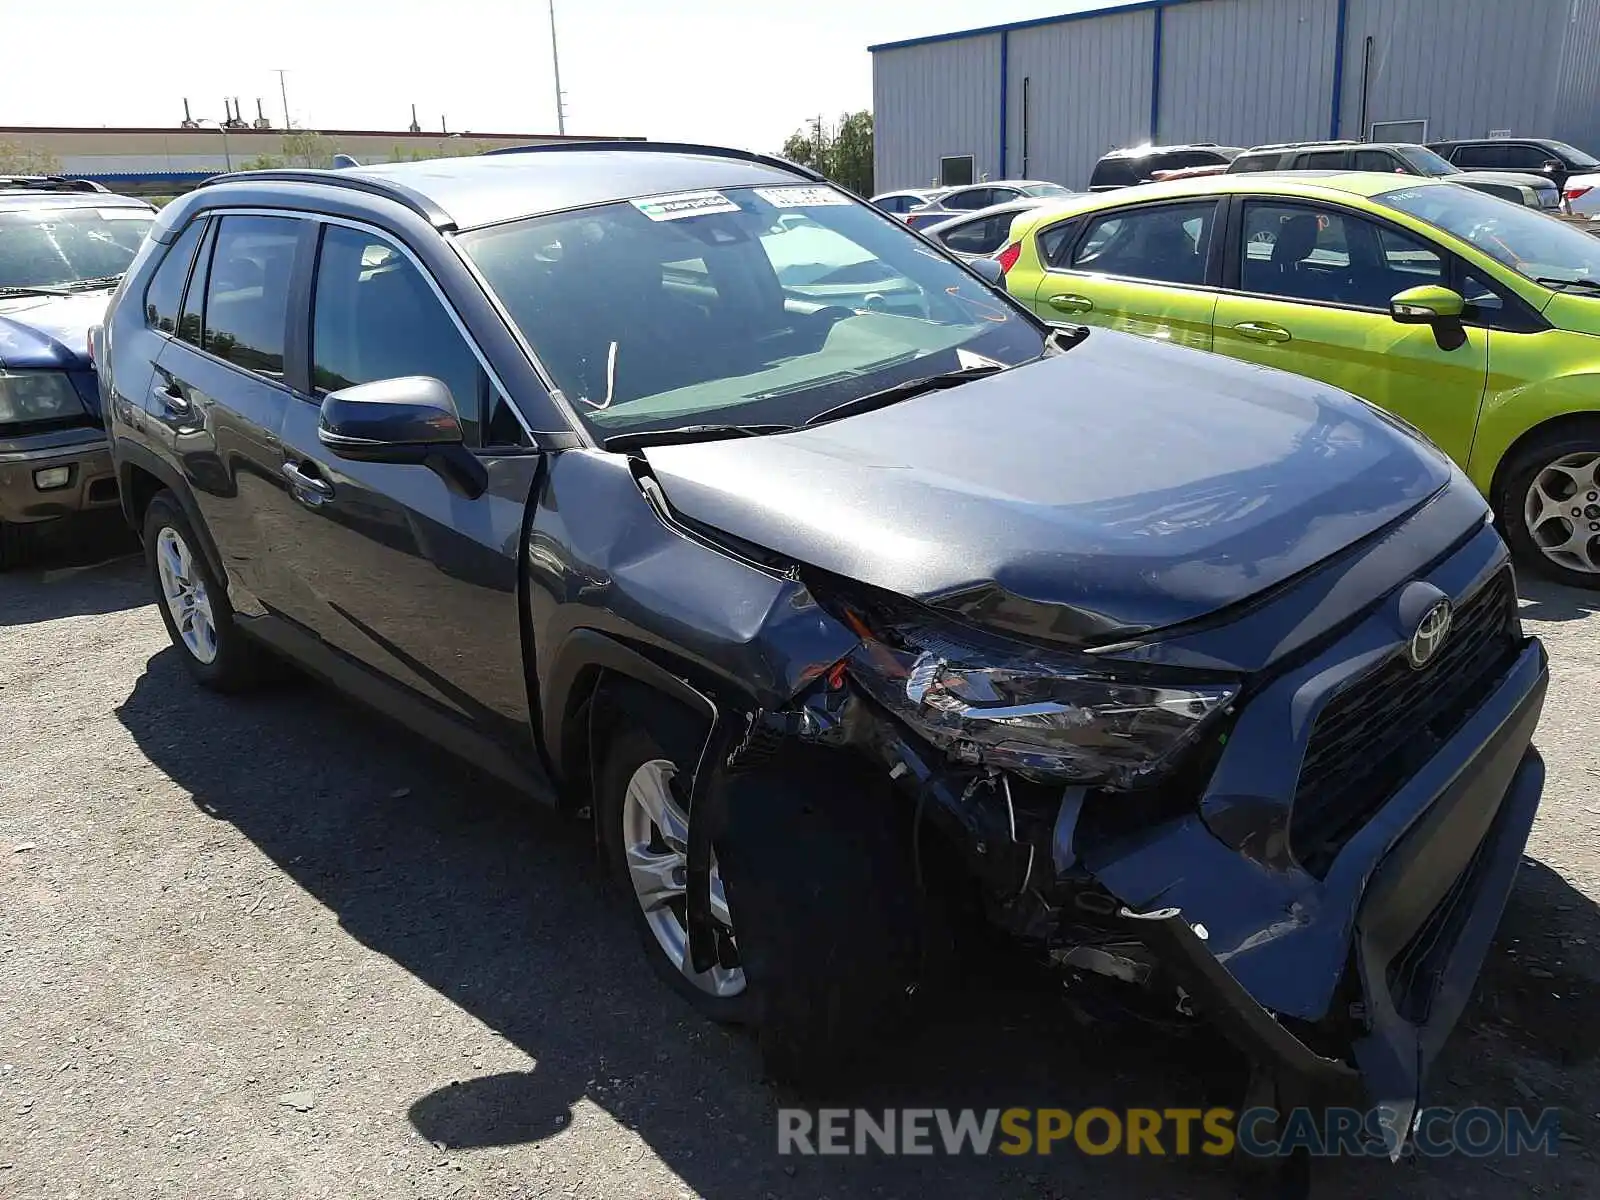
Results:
1379 731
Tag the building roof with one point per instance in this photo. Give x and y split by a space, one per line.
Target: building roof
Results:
1105 9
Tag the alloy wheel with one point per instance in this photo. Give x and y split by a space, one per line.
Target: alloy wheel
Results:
1562 511
183 591
655 840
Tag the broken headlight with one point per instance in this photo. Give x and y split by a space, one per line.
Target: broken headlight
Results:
1064 717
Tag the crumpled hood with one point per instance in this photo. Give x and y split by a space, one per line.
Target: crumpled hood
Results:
1124 486
43 332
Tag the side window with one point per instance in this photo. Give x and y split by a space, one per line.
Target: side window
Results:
1296 252
1053 243
1374 160
1320 160
165 290
194 297
983 236
1114 172
1526 158
1165 243
895 204
1408 260
375 317
969 200
247 291
1253 162
1484 303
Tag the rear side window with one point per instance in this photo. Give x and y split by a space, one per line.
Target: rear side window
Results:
190 323
165 291
983 236
1114 172
247 292
1254 162
1165 243
1377 160
1320 160
375 317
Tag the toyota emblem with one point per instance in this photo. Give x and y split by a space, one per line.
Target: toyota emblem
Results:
1431 632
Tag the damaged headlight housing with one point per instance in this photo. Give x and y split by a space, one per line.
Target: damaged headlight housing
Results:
1062 717
28 396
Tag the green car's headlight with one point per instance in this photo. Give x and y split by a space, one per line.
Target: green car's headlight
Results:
1043 714
28 396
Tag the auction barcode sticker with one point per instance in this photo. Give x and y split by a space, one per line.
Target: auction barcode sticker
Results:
685 204
800 197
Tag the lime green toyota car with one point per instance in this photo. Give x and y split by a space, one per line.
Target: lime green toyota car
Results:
1474 319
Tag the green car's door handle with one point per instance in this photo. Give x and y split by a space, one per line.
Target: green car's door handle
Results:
1262 331
1070 303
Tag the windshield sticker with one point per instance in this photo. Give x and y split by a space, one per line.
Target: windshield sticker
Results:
685 204
125 214
801 197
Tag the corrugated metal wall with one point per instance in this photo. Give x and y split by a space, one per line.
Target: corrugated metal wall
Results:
1466 66
1247 71
932 101
1088 91
1577 115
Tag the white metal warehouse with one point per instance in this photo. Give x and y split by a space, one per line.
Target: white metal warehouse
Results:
1044 99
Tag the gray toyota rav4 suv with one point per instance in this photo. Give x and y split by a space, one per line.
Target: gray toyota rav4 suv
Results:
686 490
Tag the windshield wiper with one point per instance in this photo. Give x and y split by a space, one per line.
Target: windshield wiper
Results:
99 281
28 289
905 391
621 443
1551 281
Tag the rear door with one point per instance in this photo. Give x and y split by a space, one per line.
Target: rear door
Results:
218 394
387 564
1144 269
1309 292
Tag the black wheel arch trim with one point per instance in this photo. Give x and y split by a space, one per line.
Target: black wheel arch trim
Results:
129 455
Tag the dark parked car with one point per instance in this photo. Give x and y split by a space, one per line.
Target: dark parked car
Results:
1139 164
64 244
1397 158
982 233
1194 677
1530 156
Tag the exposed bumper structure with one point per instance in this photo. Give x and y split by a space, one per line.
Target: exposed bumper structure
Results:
49 475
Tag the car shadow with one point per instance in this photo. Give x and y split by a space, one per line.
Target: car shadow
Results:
84 568
501 908
1543 600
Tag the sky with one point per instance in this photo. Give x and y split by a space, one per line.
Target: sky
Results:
743 74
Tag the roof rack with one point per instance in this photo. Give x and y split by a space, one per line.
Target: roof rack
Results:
48 183
768 160
1298 145
372 185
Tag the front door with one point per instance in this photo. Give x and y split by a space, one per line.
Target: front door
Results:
1313 291
388 565
1142 270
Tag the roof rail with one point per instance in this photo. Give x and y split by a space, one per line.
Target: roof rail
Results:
50 183
373 185
1314 142
768 160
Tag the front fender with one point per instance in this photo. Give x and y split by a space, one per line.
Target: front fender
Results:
1517 401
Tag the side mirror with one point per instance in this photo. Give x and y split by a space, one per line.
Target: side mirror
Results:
993 274
1425 305
411 419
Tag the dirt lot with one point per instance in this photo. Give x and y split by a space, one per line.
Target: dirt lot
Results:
272 947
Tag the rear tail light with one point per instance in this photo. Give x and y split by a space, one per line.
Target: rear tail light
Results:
1573 193
1007 258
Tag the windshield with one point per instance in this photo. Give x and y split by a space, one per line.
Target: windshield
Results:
1577 159
1046 189
1426 162
57 247
755 306
1521 238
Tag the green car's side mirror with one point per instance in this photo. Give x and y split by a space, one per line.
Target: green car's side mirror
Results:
1425 305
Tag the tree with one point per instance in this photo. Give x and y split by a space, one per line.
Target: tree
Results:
17 159
843 154
307 148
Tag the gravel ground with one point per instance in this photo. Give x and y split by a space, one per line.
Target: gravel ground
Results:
272 947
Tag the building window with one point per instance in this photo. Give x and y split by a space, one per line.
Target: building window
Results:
1399 131
956 171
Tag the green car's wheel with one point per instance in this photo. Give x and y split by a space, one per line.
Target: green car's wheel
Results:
1549 505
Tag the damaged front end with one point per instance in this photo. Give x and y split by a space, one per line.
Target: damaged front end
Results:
1163 822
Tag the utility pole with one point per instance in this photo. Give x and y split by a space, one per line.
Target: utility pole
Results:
283 90
555 58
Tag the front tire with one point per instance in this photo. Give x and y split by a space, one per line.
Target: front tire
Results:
1549 505
194 604
16 544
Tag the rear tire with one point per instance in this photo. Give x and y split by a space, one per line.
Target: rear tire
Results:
1548 505
194 604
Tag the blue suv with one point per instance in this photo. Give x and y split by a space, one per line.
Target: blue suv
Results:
853 604
64 244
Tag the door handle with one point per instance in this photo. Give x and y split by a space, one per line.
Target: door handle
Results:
171 397
1071 303
1262 331
311 490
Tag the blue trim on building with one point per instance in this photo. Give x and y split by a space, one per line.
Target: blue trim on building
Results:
1155 75
1340 26
1110 10
1005 95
